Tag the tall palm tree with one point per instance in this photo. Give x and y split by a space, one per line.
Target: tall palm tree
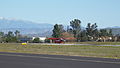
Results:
17 33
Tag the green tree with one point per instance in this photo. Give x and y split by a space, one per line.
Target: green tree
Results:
75 24
57 31
17 33
10 34
92 31
36 40
110 33
83 36
10 37
1 36
89 30
103 32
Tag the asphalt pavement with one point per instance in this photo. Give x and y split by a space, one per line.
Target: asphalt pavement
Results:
21 60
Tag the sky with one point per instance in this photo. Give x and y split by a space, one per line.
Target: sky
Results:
106 13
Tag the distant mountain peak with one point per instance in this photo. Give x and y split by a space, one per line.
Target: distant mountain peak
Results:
3 18
15 23
25 27
114 27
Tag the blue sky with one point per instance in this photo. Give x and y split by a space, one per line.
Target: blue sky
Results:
105 13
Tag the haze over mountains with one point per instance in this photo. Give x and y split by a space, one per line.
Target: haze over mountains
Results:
115 30
34 29
25 27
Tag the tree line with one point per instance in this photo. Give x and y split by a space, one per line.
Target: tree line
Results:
10 36
16 37
89 33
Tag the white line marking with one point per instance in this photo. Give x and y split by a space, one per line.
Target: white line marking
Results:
70 59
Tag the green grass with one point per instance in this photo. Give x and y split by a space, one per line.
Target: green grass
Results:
73 50
97 43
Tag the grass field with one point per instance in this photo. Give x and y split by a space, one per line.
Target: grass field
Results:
73 50
97 43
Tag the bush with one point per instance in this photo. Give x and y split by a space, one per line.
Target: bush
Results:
36 40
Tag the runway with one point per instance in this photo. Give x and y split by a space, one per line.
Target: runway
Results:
21 60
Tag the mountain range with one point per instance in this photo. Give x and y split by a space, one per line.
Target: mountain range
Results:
34 29
25 27
115 30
